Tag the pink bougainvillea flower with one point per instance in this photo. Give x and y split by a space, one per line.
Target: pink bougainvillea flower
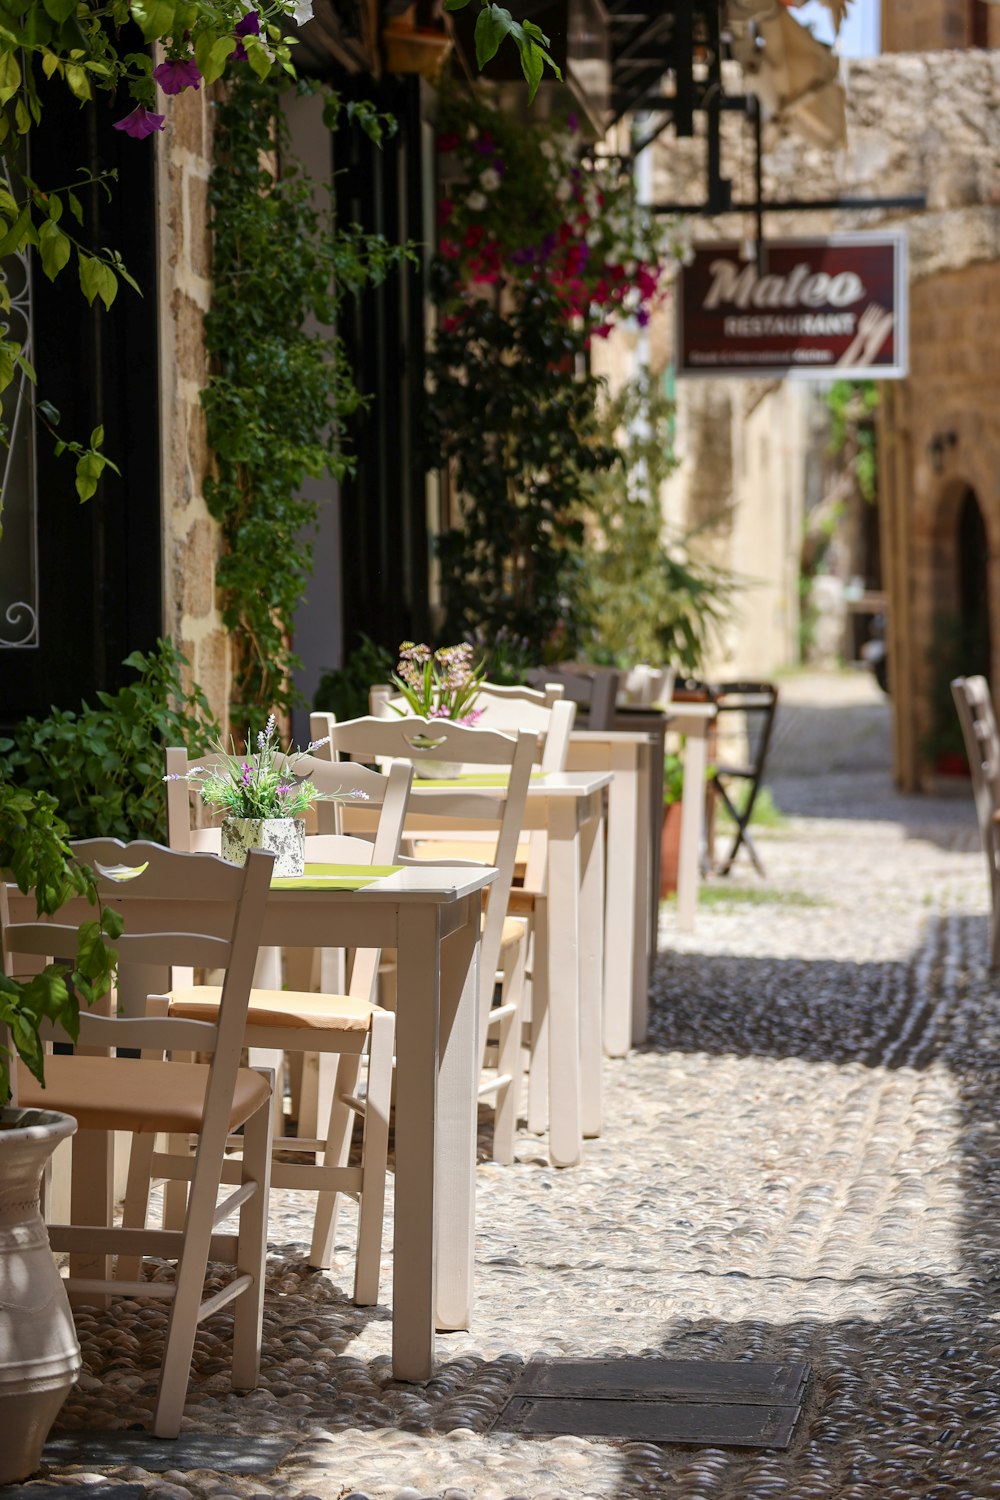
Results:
447 141
178 74
140 123
444 210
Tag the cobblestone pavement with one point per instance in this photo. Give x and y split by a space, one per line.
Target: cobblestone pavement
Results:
802 1164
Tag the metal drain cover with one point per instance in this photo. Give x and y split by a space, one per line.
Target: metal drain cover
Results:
717 1403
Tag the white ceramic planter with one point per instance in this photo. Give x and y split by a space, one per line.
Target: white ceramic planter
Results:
39 1353
438 770
285 838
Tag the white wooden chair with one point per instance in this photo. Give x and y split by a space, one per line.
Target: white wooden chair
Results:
550 716
178 908
503 940
327 1024
982 746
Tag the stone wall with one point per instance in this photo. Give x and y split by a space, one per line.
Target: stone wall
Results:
190 536
926 123
933 25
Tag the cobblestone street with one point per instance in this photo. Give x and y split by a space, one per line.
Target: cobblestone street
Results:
802 1164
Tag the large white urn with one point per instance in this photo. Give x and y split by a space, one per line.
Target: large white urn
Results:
39 1353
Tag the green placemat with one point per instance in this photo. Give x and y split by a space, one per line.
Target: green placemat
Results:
499 779
333 877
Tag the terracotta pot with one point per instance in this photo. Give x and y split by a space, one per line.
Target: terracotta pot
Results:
39 1353
670 848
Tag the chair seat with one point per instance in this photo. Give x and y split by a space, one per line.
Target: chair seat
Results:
288 1008
120 1093
513 933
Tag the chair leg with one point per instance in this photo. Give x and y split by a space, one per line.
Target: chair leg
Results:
505 1109
340 1129
538 1072
175 1191
182 1324
374 1161
251 1252
136 1204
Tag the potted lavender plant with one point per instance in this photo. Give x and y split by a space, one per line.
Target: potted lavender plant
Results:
263 797
440 684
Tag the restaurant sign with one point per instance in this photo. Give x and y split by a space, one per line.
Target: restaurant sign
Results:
812 307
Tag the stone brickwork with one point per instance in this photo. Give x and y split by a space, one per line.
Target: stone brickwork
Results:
190 536
918 123
936 25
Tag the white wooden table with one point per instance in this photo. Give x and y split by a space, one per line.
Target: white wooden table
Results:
694 721
568 806
432 918
629 922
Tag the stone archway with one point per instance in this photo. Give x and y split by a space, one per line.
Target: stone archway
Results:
960 641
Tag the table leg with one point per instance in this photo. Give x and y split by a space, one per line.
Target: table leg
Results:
461 1052
624 929
418 957
565 1125
692 816
592 990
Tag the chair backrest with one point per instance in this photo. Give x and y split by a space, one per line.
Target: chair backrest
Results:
546 712
754 704
417 740
974 704
593 689
178 908
330 845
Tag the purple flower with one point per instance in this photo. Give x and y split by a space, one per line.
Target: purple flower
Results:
246 774
140 123
359 796
572 124
178 74
249 26
283 789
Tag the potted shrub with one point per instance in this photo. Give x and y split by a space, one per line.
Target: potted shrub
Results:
670 837
39 1353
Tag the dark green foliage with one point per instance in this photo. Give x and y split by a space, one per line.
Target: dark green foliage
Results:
344 690
34 847
104 766
852 405
647 596
281 389
511 414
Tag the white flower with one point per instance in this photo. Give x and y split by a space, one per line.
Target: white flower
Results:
563 191
303 12
489 180
593 237
548 150
477 202
471 133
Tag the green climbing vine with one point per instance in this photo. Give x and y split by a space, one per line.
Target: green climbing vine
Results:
281 388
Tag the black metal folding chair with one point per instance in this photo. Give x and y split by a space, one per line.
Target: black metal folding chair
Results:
756 702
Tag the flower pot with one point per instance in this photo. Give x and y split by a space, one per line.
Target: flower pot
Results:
670 848
438 770
285 838
39 1353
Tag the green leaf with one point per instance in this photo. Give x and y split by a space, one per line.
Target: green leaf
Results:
50 63
212 53
257 56
492 25
54 247
89 468
7 363
75 206
60 10
10 76
97 437
155 18
28 368
78 82
97 280
17 234
455 4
